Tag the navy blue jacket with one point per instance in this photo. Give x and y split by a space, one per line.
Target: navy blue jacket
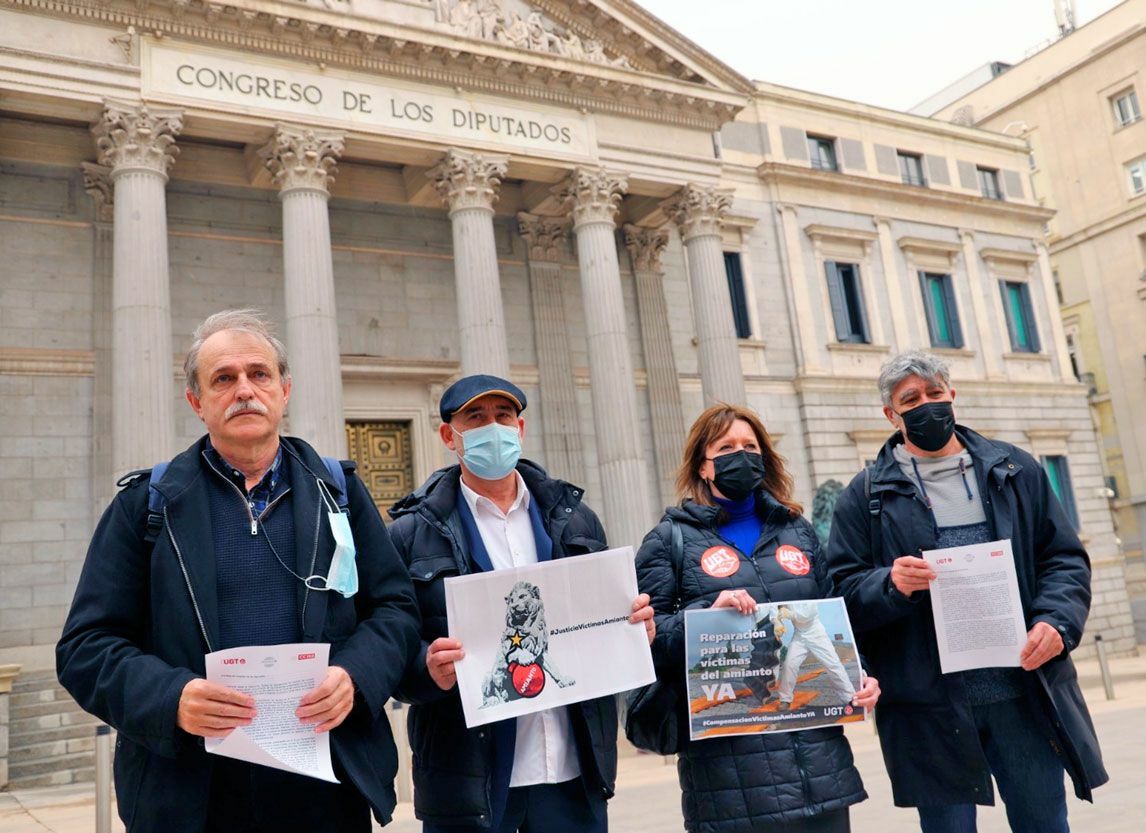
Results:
453 765
144 615
736 784
926 729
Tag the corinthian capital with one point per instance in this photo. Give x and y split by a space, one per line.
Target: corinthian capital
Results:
134 137
645 246
593 194
698 210
468 180
544 235
302 158
97 183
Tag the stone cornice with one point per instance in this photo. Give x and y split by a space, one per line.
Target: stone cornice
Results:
840 233
930 246
834 182
436 57
1008 254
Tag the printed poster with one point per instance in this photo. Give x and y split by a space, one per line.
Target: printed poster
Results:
789 666
547 635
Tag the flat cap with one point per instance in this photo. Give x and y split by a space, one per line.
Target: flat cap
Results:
468 388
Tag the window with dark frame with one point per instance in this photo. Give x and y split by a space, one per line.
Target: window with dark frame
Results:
942 313
735 274
822 153
989 183
1020 315
1136 170
846 296
911 169
1058 472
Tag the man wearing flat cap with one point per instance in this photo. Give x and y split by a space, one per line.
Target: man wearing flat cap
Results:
552 770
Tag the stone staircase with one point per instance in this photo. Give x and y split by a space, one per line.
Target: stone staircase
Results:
51 740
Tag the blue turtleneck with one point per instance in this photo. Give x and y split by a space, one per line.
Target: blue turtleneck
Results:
742 525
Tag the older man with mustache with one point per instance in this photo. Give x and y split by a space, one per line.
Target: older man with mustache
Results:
247 538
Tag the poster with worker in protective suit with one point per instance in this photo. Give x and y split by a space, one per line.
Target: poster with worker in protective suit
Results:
790 665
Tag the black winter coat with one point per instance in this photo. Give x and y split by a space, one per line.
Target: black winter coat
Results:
742 784
926 728
144 615
453 765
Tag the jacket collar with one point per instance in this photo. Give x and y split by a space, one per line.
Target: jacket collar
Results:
772 512
188 516
988 455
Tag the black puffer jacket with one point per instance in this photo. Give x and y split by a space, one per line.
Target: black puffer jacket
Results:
742 784
452 764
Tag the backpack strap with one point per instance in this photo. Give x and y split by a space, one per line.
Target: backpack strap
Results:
337 470
155 503
676 553
874 507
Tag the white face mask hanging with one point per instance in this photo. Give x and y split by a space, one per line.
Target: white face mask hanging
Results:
342 577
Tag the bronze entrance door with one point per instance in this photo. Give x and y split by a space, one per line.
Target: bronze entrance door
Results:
385 460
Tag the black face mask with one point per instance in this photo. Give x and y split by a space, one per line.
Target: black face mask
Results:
929 426
738 474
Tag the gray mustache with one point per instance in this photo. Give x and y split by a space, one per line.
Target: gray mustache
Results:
245 406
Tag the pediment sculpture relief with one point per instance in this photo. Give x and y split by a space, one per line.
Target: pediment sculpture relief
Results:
488 20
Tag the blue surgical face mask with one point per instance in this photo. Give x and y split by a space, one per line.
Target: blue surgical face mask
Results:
492 451
342 576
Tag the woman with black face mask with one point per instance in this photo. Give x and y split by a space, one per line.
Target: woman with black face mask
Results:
740 539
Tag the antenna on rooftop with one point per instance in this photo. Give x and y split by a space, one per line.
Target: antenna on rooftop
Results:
1064 16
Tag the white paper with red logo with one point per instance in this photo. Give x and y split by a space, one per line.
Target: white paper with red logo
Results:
547 635
978 611
788 666
277 676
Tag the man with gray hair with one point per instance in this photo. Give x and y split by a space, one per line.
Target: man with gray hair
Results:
938 484
247 538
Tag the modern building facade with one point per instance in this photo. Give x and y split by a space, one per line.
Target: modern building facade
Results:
1077 103
566 192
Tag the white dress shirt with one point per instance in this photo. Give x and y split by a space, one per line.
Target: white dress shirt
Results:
545 752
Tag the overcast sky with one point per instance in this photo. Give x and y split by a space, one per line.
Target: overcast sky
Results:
893 53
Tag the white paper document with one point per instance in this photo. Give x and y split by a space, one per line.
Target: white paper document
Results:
547 635
978 613
277 676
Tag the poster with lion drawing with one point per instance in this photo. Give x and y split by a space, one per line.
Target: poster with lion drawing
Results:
789 666
547 635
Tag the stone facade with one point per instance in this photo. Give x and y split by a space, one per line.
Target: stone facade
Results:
1087 90
594 267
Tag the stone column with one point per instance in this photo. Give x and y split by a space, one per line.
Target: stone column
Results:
803 293
699 211
302 162
896 285
468 183
645 247
594 195
97 183
137 144
545 239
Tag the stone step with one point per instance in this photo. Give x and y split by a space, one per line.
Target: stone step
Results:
58 778
69 762
28 725
34 680
28 753
36 696
42 708
51 735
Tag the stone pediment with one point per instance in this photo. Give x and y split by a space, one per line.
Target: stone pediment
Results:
606 55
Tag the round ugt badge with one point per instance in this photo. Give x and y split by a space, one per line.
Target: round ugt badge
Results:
793 560
528 680
720 561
